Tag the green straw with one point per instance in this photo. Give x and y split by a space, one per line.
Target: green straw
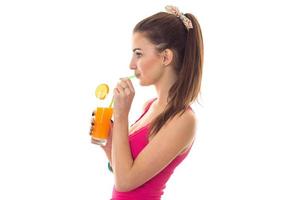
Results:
131 77
112 100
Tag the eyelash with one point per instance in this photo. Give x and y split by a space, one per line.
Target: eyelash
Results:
138 54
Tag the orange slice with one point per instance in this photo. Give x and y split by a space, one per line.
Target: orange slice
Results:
101 91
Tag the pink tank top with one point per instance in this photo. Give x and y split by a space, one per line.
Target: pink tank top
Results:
152 189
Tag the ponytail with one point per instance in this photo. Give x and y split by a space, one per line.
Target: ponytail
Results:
187 46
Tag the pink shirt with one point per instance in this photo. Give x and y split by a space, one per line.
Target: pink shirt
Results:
152 189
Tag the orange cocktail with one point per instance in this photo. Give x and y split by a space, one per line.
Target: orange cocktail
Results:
102 125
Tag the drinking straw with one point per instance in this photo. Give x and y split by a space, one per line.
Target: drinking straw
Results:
131 77
112 100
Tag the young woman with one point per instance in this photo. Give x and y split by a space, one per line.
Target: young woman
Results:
167 53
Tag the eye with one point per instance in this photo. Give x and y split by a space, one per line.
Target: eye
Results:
138 54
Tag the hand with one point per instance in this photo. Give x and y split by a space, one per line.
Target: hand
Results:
123 97
107 146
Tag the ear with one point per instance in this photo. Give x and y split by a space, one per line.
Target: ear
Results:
167 57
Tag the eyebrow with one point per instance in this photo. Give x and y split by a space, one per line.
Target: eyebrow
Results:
136 49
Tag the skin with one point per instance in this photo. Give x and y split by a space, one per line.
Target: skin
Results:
152 68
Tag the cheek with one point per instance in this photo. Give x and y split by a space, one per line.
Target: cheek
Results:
148 65
150 72
144 67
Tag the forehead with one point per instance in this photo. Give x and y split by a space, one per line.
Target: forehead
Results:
140 41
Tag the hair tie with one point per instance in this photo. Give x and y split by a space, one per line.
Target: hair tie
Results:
175 11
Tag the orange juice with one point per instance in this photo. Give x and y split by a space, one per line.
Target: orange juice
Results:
102 125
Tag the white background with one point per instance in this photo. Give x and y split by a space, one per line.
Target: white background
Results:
54 53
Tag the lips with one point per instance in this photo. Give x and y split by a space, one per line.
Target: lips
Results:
137 74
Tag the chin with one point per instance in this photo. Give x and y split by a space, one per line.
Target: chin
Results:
142 83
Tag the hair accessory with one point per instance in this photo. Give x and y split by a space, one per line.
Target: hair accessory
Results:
175 11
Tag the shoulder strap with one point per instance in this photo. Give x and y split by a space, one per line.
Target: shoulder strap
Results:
145 110
149 104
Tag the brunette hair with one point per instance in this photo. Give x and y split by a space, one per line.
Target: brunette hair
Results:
167 31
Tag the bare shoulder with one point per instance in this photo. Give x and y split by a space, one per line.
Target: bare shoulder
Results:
181 128
188 116
184 124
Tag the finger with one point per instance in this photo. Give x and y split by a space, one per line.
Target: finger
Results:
111 127
93 113
121 79
92 121
121 90
119 87
116 91
129 83
123 83
127 91
119 83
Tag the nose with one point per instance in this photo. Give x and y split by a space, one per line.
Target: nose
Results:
132 65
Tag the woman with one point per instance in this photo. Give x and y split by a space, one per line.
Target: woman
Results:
167 53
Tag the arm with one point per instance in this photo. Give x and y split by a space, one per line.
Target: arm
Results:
108 155
107 149
130 174
121 154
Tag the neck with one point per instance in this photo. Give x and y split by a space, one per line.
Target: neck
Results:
162 87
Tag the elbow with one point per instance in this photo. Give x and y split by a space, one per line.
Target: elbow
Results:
123 185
